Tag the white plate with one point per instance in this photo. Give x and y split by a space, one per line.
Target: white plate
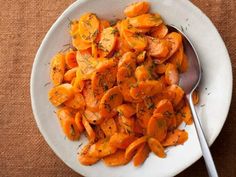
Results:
215 89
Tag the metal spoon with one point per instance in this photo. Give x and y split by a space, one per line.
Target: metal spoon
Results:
189 82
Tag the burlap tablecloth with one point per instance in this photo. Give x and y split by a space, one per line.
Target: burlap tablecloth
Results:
23 151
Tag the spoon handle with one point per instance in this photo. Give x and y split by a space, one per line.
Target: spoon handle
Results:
202 140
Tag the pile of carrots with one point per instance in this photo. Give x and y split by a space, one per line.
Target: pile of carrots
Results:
118 84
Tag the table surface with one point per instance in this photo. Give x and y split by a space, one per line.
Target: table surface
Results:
23 151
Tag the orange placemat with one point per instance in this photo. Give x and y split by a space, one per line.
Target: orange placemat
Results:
23 151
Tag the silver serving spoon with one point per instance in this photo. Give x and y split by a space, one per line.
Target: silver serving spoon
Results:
189 82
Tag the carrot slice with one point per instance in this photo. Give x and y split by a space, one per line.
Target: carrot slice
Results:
93 117
78 122
171 74
57 69
141 57
141 155
158 48
109 127
157 127
70 59
130 150
136 9
77 102
146 89
103 24
142 74
156 147
116 159
126 26
159 31
128 60
100 82
65 113
138 41
70 75
60 94
177 94
184 65
74 27
99 133
161 68
108 41
126 110
84 158
79 43
101 149
88 129
121 140
186 114
109 102
195 97
127 123
70 129
146 21
88 27
177 58
175 137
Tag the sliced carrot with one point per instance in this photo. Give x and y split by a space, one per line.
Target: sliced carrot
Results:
74 27
177 58
121 140
93 117
77 102
78 83
161 68
101 149
128 60
65 113
88 27
70 129
79 43
78 121
94 50
130 150
156 147
146 21
100 82
86 159
136 9
103 24
158 48
184 65
107 41
171 74
177 94
60 94
70 75
126 110
186 114
195 97
127 27
89 130
159 31
109 102
141 155
141 57
57 69
175 137
92 103
122 46
116 159
157 127
138 129
70 59
142 74
146 89
109 127
127 123
99 133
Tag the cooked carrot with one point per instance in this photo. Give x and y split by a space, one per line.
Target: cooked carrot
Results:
171 74
195 97
158 48
177 58
57 69
184 65
70 75
130 150
146 21
141 57
88 27
101 149
161 68
92 103
100 82
78 121
142 74
138 129
175 137
77 102
127 27
159 31
70 59
157 127
107 41
109 127
177 94
127 123
60 94
93 117
94 50
70 129
79 43
78 83
74 27
89 129
186 114
103 24
141 155
86 159
146 89
126 110
116 159
128 60
156 147
136 9
99 133
109 102
65 113
121 140
122 46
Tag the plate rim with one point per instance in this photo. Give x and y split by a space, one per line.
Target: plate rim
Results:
53 27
